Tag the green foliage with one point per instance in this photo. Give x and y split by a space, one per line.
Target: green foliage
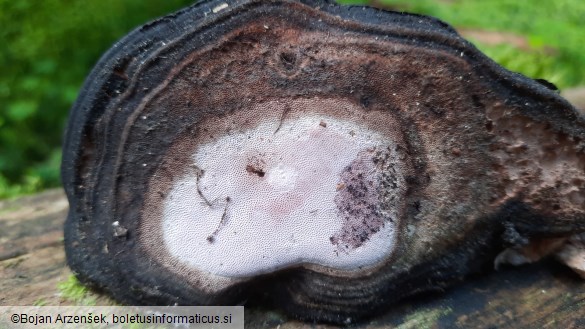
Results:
424 319
48 48
553 31
73 291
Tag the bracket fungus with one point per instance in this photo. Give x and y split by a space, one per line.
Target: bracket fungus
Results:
334 159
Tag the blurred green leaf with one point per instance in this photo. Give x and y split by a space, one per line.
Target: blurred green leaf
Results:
21 110
48 47
536 41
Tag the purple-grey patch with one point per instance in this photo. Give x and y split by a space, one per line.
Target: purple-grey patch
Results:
366 199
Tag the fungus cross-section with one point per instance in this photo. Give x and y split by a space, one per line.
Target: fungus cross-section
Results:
266 198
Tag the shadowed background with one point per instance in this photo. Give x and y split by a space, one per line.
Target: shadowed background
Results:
50 46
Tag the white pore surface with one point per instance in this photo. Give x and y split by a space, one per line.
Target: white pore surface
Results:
281 219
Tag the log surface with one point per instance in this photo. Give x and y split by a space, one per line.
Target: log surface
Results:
32 258
542 295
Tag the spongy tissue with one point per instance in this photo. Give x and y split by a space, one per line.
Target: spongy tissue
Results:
264 200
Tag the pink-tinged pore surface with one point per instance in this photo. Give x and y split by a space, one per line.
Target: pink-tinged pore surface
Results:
304 188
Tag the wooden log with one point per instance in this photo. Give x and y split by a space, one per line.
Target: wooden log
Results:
542 295
576 96
32 259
